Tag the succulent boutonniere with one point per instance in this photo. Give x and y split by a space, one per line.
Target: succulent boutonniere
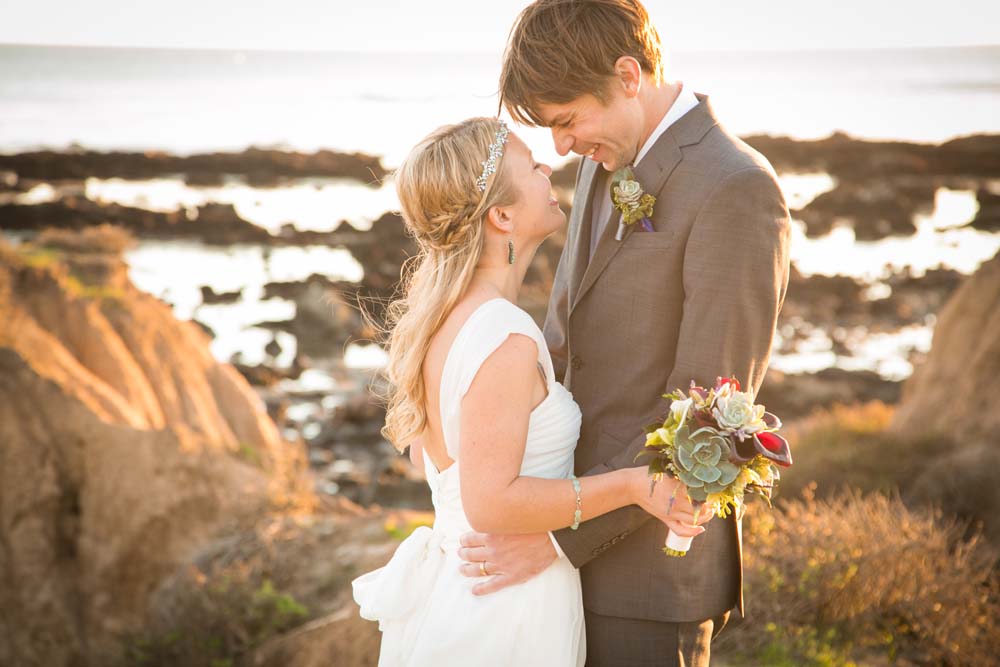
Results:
635 204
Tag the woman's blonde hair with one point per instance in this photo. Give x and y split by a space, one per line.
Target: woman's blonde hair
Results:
445 212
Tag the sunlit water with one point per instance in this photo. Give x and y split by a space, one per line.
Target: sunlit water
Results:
175 271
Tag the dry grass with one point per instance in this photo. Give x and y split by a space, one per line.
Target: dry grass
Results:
862 580
848 447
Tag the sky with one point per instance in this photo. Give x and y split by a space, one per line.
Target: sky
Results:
482 25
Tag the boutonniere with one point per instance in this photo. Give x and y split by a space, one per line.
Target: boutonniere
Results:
628 197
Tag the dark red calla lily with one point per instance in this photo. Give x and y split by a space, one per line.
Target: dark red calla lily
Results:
743 451
774 448
720 382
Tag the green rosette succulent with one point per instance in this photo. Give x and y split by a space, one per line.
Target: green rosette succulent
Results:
701 461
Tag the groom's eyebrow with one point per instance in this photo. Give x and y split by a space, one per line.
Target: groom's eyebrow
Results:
561 119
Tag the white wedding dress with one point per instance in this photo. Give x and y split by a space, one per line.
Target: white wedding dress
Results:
424 605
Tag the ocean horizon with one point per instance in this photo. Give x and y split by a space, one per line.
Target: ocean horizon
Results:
191 101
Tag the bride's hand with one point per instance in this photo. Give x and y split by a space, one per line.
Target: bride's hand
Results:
669 503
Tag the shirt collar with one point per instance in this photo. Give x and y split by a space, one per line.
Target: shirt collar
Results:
685 101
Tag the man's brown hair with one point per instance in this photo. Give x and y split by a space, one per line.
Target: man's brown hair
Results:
562 49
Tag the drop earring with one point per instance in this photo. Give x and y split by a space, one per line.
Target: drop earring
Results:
510 251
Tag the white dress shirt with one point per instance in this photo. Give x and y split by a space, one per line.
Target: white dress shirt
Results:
602 206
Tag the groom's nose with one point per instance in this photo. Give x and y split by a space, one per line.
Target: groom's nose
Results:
562 140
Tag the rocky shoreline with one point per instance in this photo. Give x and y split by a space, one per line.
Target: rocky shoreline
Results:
141 467
880 187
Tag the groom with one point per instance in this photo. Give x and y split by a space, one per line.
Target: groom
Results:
629 320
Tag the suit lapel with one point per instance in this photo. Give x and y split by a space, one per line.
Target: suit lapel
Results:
580 226
651 173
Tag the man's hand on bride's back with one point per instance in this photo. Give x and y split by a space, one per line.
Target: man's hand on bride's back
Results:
509 559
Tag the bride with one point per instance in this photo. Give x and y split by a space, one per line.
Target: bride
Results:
474 397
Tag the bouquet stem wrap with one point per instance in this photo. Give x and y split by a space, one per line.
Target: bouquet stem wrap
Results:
677 545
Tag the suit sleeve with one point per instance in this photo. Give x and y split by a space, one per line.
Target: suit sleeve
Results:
735 275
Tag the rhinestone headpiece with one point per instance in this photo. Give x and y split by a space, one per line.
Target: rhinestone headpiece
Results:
496 152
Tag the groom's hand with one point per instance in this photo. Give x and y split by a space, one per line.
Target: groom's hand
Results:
510 559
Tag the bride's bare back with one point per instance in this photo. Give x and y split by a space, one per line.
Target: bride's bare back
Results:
431 442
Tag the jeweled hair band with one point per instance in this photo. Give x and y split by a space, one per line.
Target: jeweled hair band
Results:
496 152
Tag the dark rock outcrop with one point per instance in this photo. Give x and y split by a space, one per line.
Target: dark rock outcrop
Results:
988 217
875 209
259 166
857 160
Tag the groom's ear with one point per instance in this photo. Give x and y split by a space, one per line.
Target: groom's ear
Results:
629 73
499 218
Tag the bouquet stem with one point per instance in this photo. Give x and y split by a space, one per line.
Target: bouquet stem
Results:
677 545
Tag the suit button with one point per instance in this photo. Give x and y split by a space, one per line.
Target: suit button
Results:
576 362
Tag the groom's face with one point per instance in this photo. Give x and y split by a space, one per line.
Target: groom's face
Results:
606 132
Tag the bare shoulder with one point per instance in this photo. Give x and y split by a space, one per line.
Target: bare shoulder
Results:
513 360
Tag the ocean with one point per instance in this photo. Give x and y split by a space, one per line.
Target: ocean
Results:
199 101
382 103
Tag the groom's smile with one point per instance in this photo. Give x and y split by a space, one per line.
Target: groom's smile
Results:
592 129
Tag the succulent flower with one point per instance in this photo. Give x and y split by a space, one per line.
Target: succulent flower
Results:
628 193
736 414
702 461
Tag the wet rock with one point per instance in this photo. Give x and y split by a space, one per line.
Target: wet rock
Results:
327 314
832 302
258 166
857 160
208 295
988 217
913 299
273 348
821 298
214 223
875 209
262 375
9 181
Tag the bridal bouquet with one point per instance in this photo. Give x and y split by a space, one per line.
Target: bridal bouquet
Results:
720 445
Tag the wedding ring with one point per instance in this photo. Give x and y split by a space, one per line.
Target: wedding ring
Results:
482 568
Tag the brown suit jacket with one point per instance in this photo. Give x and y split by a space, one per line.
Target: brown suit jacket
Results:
694 299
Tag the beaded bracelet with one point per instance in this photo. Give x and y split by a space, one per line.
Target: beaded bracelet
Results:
578 514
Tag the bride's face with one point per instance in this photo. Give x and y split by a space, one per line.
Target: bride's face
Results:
536 214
